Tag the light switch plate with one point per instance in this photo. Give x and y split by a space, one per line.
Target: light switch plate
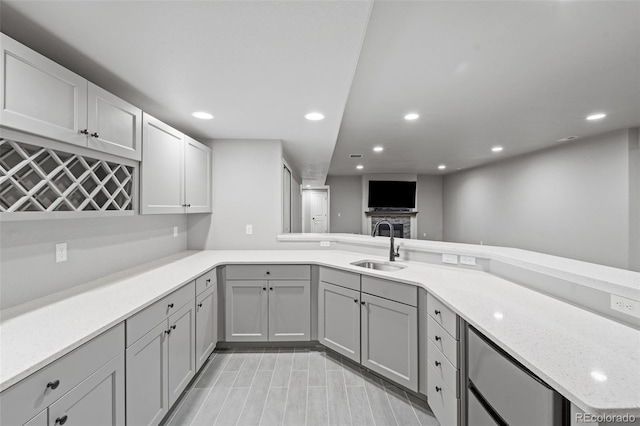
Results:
249 229
468 260
61 252
450 258
175 231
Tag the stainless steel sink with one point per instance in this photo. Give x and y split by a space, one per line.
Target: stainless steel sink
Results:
378 265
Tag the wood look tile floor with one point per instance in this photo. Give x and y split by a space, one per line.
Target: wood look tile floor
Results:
295 387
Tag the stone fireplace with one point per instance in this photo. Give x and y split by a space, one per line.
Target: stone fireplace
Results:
404 223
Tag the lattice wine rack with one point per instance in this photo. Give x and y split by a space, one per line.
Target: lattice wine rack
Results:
36 179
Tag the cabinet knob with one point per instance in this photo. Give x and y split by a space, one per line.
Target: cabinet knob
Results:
264 289
61 420
173 327
271 288
355 300
438 338
199 305
170 305
438 388
54 384
362 303
84 132
268 273
95 135
167 332
208 280
437 312
438 363
187 205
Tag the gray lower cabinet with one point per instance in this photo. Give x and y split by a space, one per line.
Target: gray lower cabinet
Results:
339 319
99 400
390 339
289 310
206 324
159 367
39 420
246 310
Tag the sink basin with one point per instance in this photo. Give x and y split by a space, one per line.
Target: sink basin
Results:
379 265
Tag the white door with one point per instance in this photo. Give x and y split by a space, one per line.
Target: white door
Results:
197 176
98 400
181 346
115 126
289 311
206 325
318 210
41 97
390 339
162 168
286 200
246 311
339 319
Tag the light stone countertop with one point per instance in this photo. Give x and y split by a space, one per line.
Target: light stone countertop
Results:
569 348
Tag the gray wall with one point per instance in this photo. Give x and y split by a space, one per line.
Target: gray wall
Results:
96 247
429 206
247 189
573 200
346 201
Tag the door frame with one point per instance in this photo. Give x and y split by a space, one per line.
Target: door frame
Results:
317 188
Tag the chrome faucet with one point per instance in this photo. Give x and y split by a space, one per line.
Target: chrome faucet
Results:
392 254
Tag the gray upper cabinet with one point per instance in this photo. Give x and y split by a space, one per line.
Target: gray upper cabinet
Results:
98 401
175 171
390 339
114 126
246 310
41 97
339 319
206 324
289 303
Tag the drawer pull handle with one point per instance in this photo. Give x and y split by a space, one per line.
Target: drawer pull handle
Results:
438 363
61 420
437 312
170 305
438 388
95 135
54 384
199 305
208 280
438 338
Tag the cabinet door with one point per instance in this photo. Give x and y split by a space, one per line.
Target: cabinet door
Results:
117 123
390 339
181 350
339 319
289 311
197 176
99 400
147 397
41 97
206 325
162 168
246 311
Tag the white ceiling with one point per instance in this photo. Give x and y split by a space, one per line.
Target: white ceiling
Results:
519 74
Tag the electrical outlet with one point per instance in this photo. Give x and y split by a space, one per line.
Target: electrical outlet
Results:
175 231
468 260
61 252
450 258
325 244
249 229
626 306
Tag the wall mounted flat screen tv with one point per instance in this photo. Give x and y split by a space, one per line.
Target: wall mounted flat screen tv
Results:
392 194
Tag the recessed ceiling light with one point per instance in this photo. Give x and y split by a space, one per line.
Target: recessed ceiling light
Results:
442 167
598 376
308 186
497 149
378 148
359 167
498 315
202 115
314 116
567 139
597 116
411 116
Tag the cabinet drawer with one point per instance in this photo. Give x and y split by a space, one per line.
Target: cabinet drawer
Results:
142 322
341 278
443 367
268 272
442 341
28 397
205 281
399 292
443 315
442 401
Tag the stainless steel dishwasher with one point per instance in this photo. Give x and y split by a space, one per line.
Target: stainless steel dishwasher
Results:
503 392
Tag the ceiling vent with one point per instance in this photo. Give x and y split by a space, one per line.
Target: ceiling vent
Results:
355 156
567 139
